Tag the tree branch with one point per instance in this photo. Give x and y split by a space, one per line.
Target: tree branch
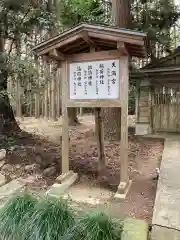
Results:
13 41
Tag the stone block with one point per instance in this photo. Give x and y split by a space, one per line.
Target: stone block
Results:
58 189
123 190
2 180
134 229
143 129
10 188
162 233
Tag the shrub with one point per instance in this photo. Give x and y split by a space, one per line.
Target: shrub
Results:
25 218
94 226
14 214
50 220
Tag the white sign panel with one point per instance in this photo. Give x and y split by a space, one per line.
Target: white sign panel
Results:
94 80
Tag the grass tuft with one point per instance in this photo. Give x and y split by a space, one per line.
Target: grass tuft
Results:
25 218
51 219
95 226
14 214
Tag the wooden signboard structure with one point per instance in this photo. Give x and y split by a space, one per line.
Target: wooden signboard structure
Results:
94 61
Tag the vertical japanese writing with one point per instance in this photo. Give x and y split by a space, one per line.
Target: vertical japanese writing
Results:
113 72
109 79
89 75
85 82
79 76
101 71
97 77
74 83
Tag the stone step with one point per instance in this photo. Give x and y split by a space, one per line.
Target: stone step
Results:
10 188
135 229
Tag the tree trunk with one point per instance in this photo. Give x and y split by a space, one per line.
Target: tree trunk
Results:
121 16
7 120
112 116
73 120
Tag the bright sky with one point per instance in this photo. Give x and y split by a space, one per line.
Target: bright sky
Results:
177 2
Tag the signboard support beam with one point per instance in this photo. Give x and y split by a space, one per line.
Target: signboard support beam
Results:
67 177
65 127
125 183
100 138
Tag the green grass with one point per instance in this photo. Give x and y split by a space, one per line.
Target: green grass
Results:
95 226
50 220
14 214
25 218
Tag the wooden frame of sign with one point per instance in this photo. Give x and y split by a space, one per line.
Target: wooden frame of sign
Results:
121 101
104 49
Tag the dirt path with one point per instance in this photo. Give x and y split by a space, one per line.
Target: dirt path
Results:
36 158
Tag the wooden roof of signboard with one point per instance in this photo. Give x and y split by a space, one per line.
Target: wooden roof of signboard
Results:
85 36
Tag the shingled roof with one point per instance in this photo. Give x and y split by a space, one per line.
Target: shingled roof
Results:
80 38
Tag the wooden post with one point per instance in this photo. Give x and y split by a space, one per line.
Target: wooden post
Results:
42 104
30 102
37 94
124 88
47 76
100 138
65 130
58 87
53 93
29 98
49 93
81 111
37 103
46 101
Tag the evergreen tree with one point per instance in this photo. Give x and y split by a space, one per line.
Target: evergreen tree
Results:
73 12
17 19
157 19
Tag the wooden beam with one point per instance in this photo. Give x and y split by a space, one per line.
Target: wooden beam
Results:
64 42
65 120
78 45
167 69
124 86
45 58
94 56
94 103
114 37
121 47
56 55
88 40
99 130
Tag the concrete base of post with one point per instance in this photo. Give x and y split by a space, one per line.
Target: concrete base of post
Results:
65 177
143 129
64 181
123 189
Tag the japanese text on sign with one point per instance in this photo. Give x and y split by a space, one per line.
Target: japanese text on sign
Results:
94 80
